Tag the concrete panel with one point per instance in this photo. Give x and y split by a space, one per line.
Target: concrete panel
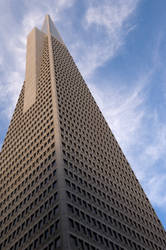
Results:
35 42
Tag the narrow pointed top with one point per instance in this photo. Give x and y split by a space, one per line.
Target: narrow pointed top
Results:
49 27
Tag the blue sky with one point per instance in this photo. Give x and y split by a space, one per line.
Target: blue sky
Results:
120 49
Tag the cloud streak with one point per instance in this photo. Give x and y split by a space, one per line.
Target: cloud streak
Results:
110 23
13 70
140 134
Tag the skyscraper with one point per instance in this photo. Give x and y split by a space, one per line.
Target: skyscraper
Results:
65 183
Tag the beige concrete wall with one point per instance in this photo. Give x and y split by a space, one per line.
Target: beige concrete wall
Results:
49 28
35 42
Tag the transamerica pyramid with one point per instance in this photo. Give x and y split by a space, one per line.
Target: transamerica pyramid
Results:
65 183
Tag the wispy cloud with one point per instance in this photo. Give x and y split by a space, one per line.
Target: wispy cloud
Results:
112 16
109 23
10 92
89 57
138 128
140 134
156 189
156 150
123 111
13 70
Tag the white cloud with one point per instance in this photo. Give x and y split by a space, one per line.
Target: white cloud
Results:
63 4
156 150
14 70
123 111
156 189
1 60
139 132
110 21
92 56
111 15
9 91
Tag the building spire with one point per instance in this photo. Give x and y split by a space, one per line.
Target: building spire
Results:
49 27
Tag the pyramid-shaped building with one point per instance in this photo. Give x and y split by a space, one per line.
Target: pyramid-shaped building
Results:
65 183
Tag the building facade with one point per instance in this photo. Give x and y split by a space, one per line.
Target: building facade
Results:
65 183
